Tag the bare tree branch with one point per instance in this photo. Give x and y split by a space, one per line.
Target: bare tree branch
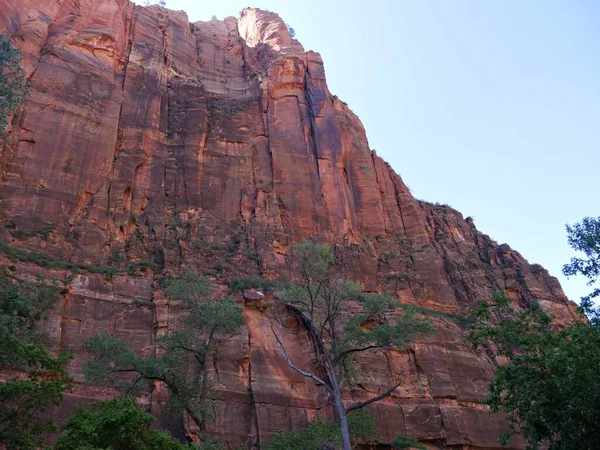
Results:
296 368
124 370
372 400
345 353
130 388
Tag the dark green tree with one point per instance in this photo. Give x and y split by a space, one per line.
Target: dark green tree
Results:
38 378
181 360
550 389
117 424
322 302
13 86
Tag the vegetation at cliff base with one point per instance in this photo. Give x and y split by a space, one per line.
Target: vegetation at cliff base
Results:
13 85
404 442
36 378
117 424
319 435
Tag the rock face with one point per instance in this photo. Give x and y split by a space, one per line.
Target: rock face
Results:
150 144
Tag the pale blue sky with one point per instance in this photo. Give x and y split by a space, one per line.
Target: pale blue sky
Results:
490 106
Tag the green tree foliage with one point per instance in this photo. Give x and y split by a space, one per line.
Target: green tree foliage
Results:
39 377
291 31
319 435
550 389
117 424
161 3
13 86
181 362
322 301
585 237
403 441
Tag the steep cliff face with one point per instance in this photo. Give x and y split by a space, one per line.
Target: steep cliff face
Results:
150 144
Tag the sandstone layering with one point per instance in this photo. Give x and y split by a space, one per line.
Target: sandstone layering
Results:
150 144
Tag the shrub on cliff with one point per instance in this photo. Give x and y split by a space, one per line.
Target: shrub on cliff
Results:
403 441
13 86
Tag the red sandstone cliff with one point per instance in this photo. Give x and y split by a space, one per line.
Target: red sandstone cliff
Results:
217 145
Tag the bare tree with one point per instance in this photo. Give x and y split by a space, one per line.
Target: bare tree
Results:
322 302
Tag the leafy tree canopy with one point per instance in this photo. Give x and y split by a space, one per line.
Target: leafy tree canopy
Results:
39 377
550 388
341 322
585 237
181 362
323 297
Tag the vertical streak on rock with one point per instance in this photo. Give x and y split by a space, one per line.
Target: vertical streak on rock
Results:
169 163
62 341
264 109
313 143
421 374
311 119
297 180
254 431
129 24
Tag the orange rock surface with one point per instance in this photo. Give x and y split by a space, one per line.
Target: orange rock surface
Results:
217 145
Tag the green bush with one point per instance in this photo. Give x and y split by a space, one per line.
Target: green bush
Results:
404 441
240 284
117 424
318 434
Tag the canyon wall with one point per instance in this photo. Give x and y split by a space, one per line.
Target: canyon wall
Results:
150 144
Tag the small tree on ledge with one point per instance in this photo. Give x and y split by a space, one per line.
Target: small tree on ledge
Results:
13 84
321 301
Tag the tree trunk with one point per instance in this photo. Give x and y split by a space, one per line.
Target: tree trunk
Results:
341 411
339 406
198 421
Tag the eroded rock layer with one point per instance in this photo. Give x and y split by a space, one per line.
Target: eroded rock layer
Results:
150 144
